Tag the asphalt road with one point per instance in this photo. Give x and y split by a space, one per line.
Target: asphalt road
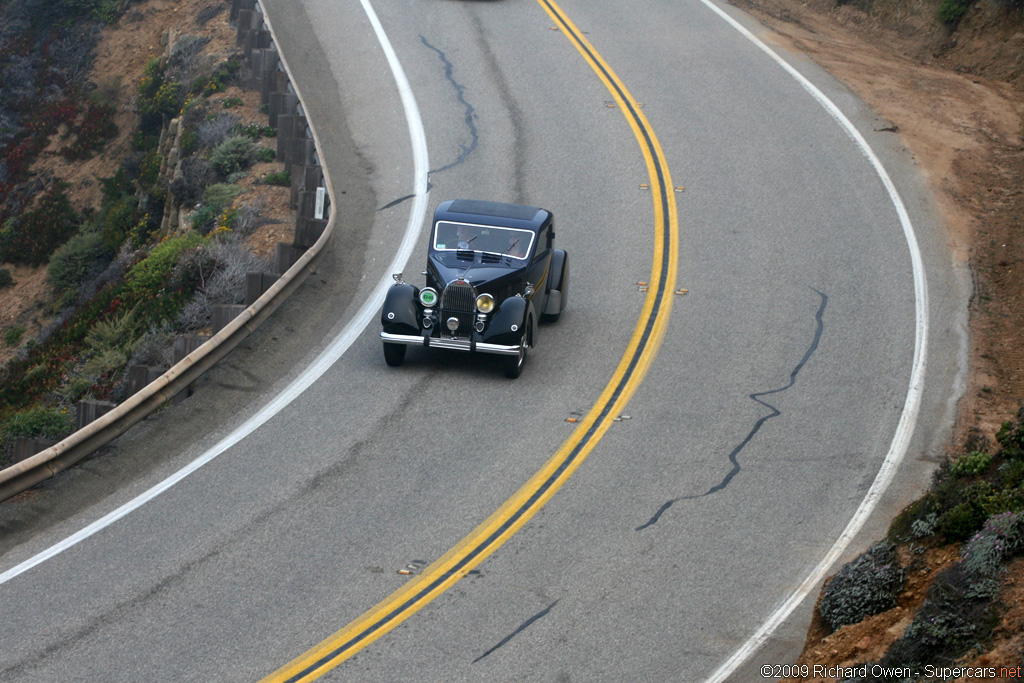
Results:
756 433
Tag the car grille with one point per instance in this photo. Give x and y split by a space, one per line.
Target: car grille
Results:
459 300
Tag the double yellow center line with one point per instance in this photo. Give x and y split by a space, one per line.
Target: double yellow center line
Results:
517 510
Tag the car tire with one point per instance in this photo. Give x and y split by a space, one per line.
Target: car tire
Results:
559 282
514 364
394 354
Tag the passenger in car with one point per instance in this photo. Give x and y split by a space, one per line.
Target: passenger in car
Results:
516 247
466 236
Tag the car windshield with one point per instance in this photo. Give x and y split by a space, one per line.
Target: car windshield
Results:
509 241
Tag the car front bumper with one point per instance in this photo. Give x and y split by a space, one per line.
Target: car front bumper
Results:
449 343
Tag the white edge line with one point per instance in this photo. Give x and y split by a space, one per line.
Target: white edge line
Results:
328 356
911 406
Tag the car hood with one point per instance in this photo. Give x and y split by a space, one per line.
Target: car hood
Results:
447 268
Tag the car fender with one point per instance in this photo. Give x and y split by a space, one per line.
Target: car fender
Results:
514 312
400 314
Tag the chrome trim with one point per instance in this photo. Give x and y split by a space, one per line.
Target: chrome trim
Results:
437 297
458 300
459 296
487 298
447 343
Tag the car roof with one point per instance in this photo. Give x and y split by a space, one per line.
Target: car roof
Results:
492 213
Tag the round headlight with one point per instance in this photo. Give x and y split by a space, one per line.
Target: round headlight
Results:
485 303
428 297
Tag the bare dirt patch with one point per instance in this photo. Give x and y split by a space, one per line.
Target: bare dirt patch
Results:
21 306
121 55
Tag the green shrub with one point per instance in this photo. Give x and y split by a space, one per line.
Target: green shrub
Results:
221 194
952 11
265 154
76 259
187 189
957 614
109 11
970 464
960 499
234 154
145 140
1011 474
13 335
204 218
925 526
189 142
901 527
1003 500
149 285
865 586
108 346
1001 538
283 179
121 184
230 102
118 220
961 521
1011 437
157 97
149 276
6 279
32 237
222 76
256 131
149 169
54 423
216 199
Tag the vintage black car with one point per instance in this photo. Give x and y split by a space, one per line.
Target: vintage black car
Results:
492 274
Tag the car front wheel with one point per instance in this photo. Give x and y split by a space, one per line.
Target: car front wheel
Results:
514 364
394 354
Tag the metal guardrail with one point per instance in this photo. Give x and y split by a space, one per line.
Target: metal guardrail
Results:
49 462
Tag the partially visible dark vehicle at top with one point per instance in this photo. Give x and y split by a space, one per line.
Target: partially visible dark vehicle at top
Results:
492 274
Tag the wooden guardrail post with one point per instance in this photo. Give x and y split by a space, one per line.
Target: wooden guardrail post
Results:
141 375
88 410
27 446
256 284
225 313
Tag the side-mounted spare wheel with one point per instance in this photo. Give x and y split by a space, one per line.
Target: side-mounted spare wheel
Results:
558 294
